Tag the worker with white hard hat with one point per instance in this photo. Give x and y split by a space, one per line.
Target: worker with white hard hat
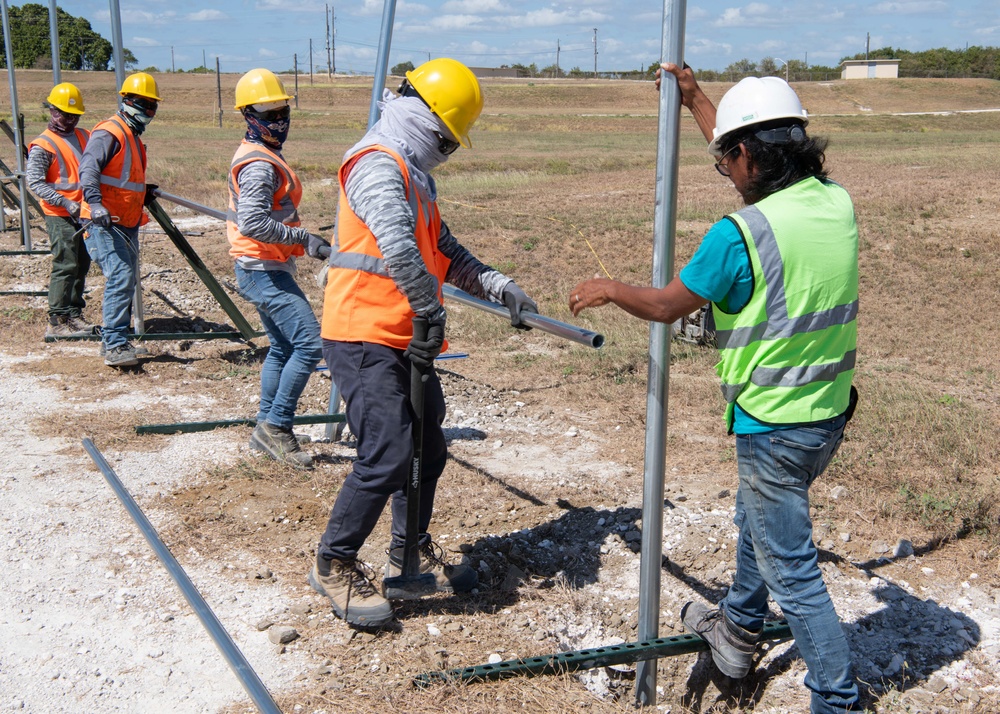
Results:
782 279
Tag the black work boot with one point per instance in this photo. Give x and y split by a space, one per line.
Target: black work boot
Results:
349 586
450 578
732 646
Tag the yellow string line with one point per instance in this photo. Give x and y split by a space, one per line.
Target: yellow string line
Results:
547 218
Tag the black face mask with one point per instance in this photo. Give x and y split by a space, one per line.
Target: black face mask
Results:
62 122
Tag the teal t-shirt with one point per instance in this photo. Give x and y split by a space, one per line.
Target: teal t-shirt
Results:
720 271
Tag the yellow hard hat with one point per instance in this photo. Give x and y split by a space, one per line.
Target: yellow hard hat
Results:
140 84
66 98
260 86
452 92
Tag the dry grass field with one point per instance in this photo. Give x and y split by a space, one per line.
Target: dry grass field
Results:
560 182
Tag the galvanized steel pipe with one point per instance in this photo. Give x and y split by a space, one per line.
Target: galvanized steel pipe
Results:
664 229
237 662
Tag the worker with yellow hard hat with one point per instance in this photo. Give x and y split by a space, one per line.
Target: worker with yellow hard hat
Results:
392 253
53 174
265 238
113 174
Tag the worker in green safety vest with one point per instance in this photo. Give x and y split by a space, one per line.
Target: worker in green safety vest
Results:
781 275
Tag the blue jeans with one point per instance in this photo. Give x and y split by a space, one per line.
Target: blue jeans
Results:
291 326
375 383
116 251
776 555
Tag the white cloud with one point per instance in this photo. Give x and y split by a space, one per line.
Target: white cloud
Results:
911 7
145 42
264 52
207 16
473 7
551 18
456 22
141 17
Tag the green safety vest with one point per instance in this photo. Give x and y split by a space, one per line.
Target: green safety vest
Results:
788 356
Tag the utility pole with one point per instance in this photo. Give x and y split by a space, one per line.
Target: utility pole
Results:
868 42
295 58
333 40
172 68
310 62
595 52
558 73
329 63
204 62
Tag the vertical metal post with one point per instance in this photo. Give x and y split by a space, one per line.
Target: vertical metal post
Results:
295 59
664 234
22 184
329 62
378 82
333 40
138 320
54 40
218 88
310 62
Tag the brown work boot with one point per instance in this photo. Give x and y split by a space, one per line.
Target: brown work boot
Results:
450 578
280 444
348 584
732 646
63 326
81 326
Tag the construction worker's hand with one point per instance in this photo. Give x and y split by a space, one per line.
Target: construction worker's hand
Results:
518 302
149 197
72 208
100 216
316 247
422 352
685 80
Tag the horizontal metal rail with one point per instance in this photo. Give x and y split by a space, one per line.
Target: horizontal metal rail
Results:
234 657
25 252
193 426
29 293
566 662
149 336
539 322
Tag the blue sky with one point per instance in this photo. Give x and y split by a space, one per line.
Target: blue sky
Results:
488 33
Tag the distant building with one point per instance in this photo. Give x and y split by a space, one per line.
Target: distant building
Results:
870 69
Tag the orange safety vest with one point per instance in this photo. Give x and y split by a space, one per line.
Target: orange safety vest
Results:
64 171
362 303
284 205
123 180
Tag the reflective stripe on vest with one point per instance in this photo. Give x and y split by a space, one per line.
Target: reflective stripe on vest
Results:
362 302
793 363
64 169
284 205
123 179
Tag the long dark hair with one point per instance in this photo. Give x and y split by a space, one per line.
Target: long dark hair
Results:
773 167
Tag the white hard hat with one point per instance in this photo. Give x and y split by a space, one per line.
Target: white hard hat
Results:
755 100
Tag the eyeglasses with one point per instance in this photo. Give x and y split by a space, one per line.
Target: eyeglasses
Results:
723 168
445 145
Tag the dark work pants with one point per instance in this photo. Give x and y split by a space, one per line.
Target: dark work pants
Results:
70 263
374 381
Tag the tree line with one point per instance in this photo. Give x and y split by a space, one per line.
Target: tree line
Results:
80 47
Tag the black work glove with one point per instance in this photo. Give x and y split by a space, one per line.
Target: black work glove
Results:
72 208
316 247
518 302
149 197
422 352
100 216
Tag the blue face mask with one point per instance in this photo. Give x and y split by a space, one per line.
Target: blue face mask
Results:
269 128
